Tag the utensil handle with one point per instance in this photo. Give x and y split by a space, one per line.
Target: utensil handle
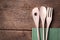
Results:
43 28
38 36
47 30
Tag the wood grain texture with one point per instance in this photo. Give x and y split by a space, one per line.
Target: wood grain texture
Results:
15 35
16 14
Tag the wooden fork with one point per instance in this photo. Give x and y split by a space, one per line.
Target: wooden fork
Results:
48 20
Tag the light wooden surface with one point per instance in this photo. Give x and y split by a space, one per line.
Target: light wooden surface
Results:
16 15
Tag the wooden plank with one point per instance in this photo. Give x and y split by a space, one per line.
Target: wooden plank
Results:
15 35
17 14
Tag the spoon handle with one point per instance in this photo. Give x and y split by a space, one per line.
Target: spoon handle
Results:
43 28
38 35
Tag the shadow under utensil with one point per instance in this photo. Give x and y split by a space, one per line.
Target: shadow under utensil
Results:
52 19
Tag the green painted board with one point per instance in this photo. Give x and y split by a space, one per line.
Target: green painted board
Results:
54 34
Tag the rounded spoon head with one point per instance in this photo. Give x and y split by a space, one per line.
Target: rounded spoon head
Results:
35 14
42 12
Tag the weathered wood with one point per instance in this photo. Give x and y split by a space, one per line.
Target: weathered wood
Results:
15 35
16 14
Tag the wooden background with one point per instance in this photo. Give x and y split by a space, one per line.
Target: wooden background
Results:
16 21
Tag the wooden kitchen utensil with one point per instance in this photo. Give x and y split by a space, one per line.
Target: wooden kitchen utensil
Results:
35 14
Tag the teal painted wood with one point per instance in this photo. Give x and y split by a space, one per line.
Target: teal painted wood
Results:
54 34
34 34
